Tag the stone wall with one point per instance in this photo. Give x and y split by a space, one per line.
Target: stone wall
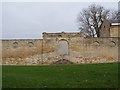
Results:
61 46
22 52
95 50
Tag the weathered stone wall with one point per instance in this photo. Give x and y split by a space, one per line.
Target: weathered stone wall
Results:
22 52
60 46
95 50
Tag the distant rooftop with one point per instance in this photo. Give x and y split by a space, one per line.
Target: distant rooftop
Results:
116 19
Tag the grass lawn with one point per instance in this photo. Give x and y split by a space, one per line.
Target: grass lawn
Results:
61 76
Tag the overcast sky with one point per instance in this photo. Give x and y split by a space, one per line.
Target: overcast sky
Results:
26 20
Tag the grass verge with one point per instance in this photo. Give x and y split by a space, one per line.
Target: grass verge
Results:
61 76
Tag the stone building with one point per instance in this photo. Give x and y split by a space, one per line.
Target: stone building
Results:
110 28
64 48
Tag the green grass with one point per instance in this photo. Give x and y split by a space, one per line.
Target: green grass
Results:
61 76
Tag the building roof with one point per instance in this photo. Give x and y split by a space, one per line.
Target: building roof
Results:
116 19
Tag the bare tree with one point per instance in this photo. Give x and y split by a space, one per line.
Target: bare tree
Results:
91 19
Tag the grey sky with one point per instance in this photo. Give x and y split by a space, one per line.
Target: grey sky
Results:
27 20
